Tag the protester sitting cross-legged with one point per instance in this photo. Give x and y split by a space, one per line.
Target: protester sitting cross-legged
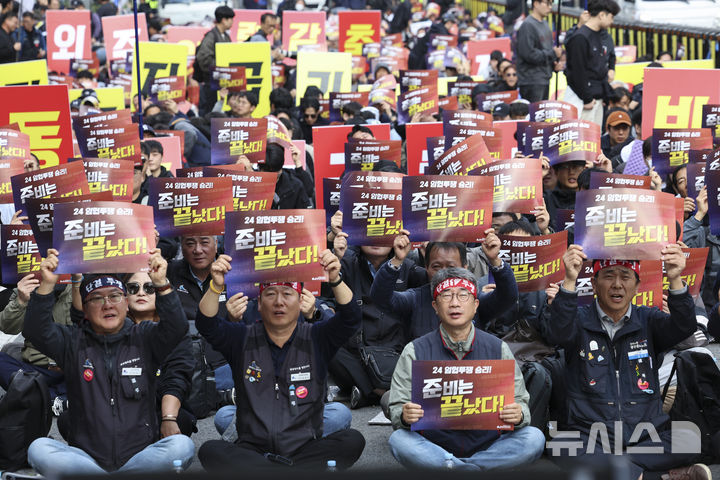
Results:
613 351
280 368
110 367
336 416
455 302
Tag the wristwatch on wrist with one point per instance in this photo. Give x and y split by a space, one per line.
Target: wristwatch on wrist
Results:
337 282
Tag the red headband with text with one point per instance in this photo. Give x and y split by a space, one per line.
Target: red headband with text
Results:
633 265
297 286
455 282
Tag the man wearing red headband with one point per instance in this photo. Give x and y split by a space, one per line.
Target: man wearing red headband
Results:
612 353
280 369
455 302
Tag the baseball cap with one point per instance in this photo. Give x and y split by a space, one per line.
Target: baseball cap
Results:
618 117
501 110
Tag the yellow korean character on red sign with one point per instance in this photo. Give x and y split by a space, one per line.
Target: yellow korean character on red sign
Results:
303 28
358 28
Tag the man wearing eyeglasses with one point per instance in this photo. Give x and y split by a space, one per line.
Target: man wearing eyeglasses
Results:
536 56
110 367
455 302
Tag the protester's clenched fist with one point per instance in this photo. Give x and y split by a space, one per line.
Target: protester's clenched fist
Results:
401 247
48 267
674 260
491 246
340 244
307 304
511 413
219 269
158 268
573 260
331 265
236 306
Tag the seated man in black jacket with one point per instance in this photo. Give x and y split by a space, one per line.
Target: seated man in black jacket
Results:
290 191
280 369
110 367
613 351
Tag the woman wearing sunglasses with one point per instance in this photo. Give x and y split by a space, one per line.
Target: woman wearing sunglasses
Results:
176 373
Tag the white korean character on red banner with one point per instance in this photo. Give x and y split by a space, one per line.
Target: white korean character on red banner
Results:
68 38
119 33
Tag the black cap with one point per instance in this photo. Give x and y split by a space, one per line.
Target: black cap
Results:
77 3
88 92
501 110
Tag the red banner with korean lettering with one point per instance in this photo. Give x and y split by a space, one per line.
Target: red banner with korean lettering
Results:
119 33
14 145
414 79
418 157
372 207
302 28
250 190
231 138
552 111
115 176
443 208
246 23
232 78
365 154
462 158
278 133
329 145
68 38
43 113
624 223
103 237
463 92
711 120
536 261
487 101
650 291
338 99
692 274
19 254
478 52
40 214
517 184
421 101
331 197
571 141
110 136
190 206
357 28
617 180
61 181
670 148
8 169
673 97
462 394
160 89
281 245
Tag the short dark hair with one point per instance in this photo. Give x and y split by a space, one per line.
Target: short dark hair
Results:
664 52
28 14
460 247
312 91
496 55
655 65
82 73
281 98
618 93
309 102
359 128
647 147
596 7
637 117
274 158
514 226
222 12
351 108
247 95
265 16
519 109
154 146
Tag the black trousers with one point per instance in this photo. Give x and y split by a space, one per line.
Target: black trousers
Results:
345 447
534 93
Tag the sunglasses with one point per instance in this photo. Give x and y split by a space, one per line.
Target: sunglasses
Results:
134 287
511 74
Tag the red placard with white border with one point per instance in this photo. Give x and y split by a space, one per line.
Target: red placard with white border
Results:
68 38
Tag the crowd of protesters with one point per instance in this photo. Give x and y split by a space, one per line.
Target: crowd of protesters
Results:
117 351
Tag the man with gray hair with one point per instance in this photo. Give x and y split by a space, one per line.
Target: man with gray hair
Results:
455 302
